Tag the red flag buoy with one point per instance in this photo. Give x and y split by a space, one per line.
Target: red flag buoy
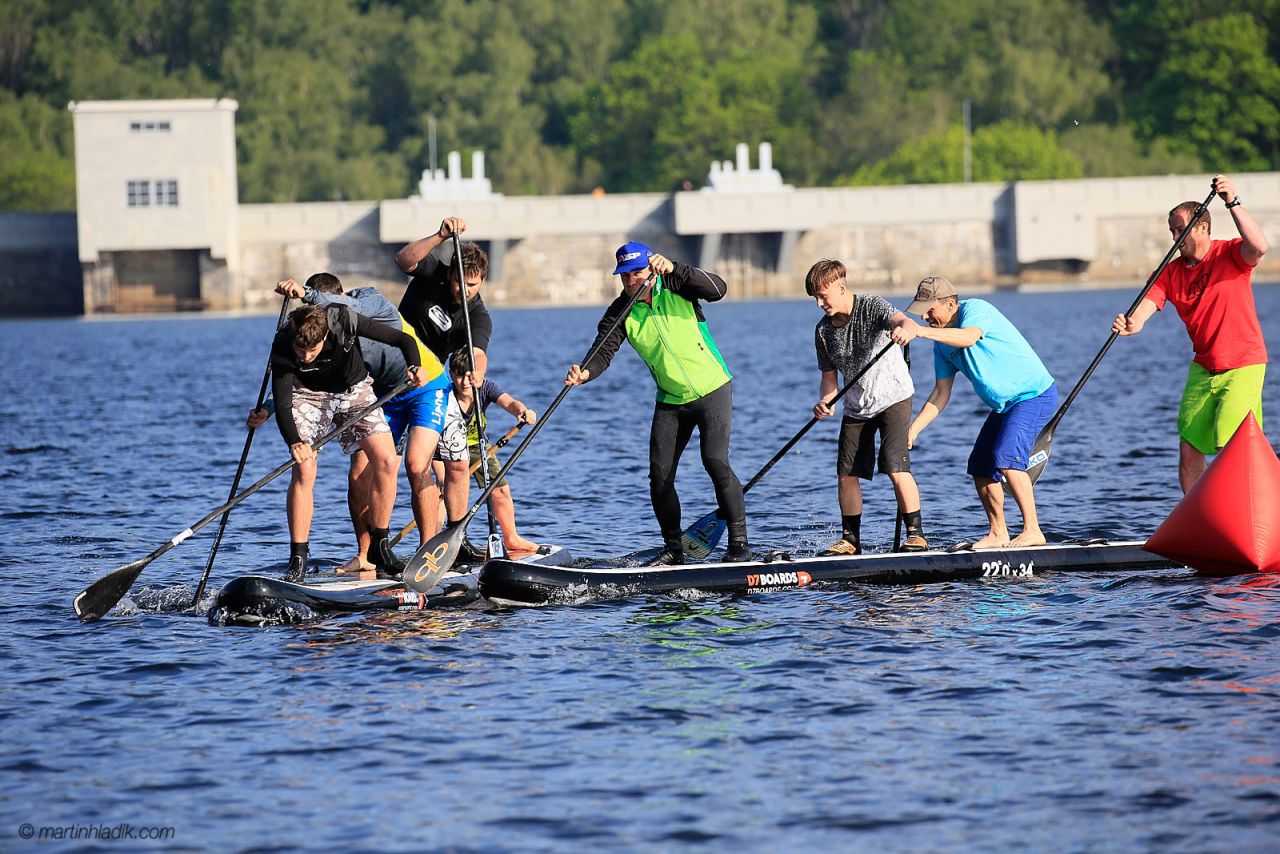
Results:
1230 520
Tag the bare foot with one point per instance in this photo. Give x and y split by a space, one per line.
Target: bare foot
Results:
356 566
520 545
1028 538
991 541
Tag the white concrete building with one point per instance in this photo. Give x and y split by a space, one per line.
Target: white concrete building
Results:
156 202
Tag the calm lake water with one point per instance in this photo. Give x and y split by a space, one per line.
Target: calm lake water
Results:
1077 712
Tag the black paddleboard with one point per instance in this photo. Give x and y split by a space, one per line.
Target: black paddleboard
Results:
512 582
261 599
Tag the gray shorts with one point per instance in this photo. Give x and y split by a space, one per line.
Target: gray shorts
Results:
317 412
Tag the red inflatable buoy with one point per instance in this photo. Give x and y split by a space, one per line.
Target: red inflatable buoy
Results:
1230 520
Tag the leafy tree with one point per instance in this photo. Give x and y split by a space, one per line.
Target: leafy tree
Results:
1010 151
338 96
877 110
80 54
297 141
1216 94
1046 63
625 123
786 29
708 79
1107 151
577 41
491 105
37 172
37 181
1040 61
300 136
18 25
1007 151
851 23
406 78
1142 30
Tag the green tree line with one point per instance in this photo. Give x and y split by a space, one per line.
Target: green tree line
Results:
337 97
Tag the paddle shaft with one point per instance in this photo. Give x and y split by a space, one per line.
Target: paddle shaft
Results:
515 455
501 443
471 366
1151 280
101 596
244 457
701 537
320 443
897 522
814 420
437 555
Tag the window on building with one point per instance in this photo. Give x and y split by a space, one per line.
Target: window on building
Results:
167 194
144 194
149 127
138 194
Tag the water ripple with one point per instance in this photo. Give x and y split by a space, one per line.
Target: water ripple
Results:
1083 712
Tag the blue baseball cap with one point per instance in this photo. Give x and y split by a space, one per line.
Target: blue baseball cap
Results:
631 257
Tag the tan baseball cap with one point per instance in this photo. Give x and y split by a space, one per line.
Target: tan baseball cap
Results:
930 290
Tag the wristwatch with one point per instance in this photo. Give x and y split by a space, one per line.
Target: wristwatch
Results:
1231 204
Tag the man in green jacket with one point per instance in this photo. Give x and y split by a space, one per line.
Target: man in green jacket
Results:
667 329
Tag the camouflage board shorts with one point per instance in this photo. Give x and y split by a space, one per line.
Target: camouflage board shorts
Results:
316 412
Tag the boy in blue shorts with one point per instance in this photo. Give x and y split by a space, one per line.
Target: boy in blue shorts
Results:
973 338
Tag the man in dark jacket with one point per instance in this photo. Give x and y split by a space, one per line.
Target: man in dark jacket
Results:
417 416
319 381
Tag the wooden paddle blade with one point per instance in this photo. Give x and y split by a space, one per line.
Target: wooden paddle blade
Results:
102 595
434 558
1040 453
701 537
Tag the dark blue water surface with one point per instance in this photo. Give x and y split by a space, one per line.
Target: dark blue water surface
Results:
1071 712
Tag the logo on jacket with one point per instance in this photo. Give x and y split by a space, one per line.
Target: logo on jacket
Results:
440 318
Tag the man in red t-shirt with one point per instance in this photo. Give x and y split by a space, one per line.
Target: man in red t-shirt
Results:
1211 290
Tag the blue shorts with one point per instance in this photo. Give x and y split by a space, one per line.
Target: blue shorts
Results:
419 407
1006 439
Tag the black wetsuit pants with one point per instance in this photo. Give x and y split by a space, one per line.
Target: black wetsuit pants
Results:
672 428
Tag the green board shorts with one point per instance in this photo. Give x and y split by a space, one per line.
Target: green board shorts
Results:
1214 405
493 468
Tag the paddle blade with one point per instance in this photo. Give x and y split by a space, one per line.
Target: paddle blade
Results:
434 558
1040 453
701 537
102 595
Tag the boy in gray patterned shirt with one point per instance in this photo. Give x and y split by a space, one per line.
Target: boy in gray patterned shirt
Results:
854 329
